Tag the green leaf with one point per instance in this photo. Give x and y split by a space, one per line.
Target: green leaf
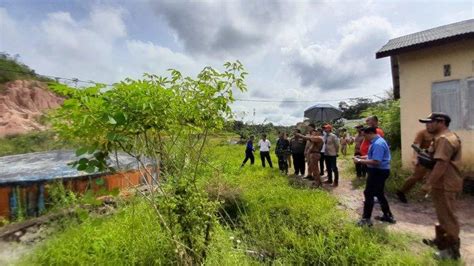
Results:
90 169
112 120
83 161
82 167
92 148
99 181
81 151
120 118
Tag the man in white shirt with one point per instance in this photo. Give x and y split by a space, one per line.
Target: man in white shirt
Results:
264 145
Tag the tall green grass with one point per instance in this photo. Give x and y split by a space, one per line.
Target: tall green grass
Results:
304 226
276 224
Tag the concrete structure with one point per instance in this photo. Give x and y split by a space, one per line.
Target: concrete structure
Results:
432 71
26 178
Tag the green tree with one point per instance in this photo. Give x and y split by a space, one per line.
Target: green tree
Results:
163 123
354 108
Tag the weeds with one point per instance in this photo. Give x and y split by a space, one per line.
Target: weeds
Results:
278 224
31 142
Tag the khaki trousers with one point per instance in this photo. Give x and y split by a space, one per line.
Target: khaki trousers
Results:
444 203
416 177
313 165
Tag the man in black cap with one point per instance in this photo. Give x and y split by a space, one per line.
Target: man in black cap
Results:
443 183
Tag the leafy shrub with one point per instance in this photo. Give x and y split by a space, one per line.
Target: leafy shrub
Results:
163 123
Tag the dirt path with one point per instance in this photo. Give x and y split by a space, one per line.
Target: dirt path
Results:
416 218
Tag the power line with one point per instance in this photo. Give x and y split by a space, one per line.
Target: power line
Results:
306 101
76 80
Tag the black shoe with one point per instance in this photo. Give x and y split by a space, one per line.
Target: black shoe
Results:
385 219
401 196
364 222
429 242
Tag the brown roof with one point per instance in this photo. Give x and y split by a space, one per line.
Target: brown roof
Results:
436 36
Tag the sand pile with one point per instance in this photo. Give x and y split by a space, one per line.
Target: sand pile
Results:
22 103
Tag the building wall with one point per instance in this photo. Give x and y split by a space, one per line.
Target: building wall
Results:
418 70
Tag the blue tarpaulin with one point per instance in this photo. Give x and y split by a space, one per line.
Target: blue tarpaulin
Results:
44 166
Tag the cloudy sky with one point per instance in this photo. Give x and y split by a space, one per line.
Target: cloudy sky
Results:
300 51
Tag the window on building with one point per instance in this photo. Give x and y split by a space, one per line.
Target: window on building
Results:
470 104
455 98
447 70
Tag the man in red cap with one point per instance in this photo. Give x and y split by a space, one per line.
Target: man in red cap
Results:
443 183
330 155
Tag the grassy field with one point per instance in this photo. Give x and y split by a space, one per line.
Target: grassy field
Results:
267 221
31 142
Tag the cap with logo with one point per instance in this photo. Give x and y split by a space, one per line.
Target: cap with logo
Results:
437 116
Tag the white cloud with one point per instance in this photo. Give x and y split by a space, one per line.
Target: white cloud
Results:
345 64
152 58
303 50
93 48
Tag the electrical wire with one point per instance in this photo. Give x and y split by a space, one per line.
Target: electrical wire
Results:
76 80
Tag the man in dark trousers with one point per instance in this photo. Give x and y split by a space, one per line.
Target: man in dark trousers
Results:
281 150
264 145
361 169
297 148
378 170
443 183
331 143
249 152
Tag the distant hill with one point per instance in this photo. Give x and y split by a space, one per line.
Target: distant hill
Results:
24 98
11 70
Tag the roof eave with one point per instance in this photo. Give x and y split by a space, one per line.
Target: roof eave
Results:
438 42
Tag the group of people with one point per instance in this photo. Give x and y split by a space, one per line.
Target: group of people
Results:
319 148
437 165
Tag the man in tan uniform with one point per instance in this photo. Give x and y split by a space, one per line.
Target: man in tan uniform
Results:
443 183
313 154
423 140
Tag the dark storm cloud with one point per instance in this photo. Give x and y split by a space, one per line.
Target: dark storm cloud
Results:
223 28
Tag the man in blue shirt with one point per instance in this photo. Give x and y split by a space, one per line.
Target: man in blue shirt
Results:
249 149
378 170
